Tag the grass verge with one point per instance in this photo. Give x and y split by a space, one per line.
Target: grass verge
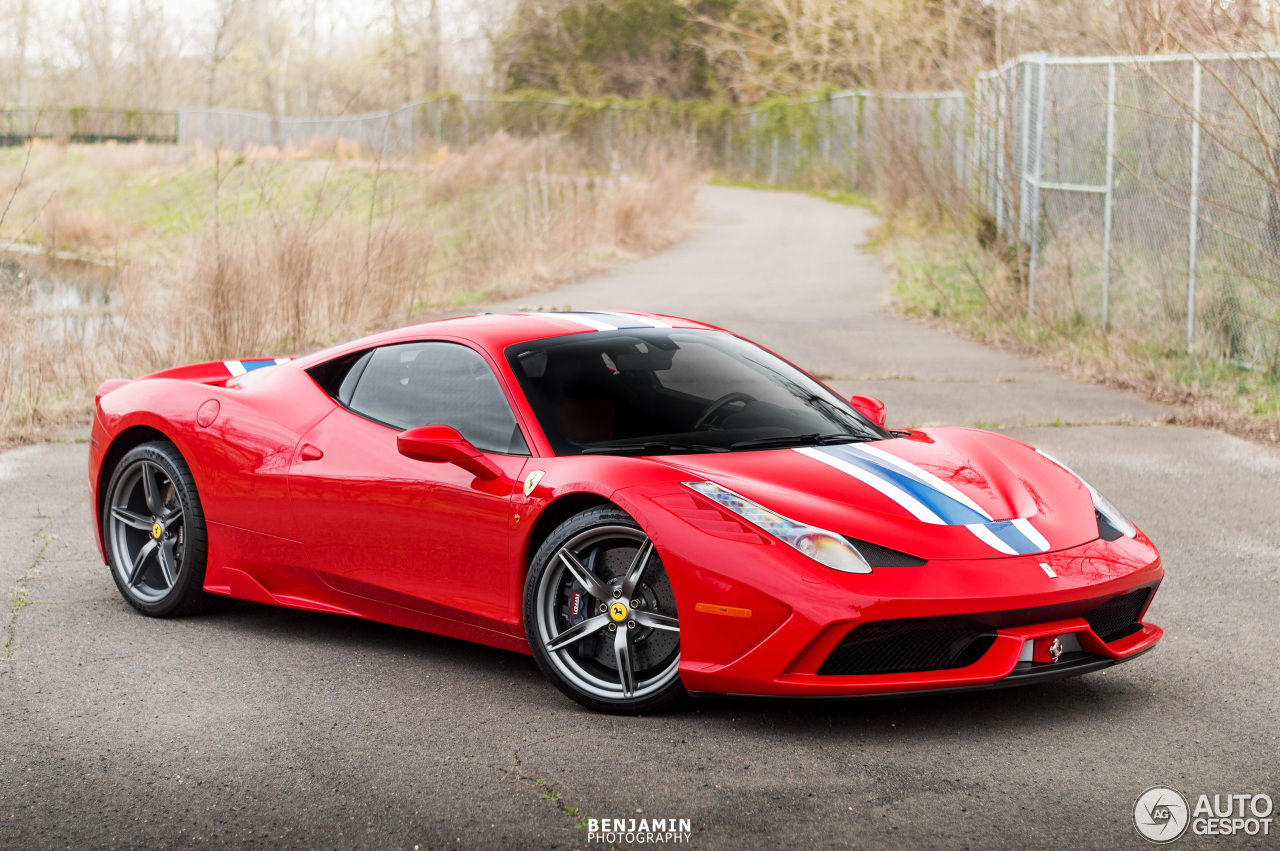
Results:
946 276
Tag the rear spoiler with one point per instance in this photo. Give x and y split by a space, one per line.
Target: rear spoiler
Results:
214 372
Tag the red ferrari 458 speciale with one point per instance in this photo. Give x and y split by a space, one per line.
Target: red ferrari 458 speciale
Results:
650 506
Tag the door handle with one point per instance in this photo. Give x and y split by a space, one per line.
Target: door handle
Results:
310 453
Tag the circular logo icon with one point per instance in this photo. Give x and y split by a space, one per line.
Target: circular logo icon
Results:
618 611
156 530
1161 814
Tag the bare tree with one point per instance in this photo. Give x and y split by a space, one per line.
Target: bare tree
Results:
94 41
151 46
226 36
21 32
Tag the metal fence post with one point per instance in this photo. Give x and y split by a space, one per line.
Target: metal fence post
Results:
728 143
1107 214
976 149
1193 223
1002 172
1026 146
828 122
1034 226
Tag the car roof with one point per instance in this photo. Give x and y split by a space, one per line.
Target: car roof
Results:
496 331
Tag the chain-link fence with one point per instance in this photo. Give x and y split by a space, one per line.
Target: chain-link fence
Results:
609 136
1145 191
80 124
1141 192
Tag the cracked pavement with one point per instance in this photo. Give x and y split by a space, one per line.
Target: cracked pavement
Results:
266 727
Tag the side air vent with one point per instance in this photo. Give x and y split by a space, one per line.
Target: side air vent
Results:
878 556
1118 617
902 646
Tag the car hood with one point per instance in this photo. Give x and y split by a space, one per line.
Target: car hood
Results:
949 493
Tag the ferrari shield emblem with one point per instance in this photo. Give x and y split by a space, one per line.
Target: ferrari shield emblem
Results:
531 481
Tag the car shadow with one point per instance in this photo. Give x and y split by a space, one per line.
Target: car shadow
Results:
1081 700
350 634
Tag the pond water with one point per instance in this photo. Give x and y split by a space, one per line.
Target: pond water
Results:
67 299
52 284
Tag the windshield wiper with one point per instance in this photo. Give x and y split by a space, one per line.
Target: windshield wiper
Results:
799 440
652 447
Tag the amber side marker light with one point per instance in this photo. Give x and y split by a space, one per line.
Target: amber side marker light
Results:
729 611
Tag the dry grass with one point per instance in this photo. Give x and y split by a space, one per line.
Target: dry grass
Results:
304 254
653 213
485 164
61 228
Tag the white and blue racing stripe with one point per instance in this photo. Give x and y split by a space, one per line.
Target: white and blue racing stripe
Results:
629 320
240 367
579 319
928 498
604 320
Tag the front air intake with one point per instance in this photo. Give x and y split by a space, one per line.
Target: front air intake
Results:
903 646
878 556
1118 617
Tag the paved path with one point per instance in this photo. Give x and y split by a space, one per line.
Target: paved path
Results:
266 727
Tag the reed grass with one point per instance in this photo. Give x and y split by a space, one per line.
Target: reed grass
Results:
270 253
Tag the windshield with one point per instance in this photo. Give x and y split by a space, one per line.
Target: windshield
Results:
658 391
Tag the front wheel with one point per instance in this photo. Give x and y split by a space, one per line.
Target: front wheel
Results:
601 617
154 530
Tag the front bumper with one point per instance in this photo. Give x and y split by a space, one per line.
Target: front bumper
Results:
1023 674
759 619
998 667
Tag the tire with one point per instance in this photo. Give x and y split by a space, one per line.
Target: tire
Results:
584 631
167 522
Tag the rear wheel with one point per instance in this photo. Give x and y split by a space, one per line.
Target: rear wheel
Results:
601 617
154 534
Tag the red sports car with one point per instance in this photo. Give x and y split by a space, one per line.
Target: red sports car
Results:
650 506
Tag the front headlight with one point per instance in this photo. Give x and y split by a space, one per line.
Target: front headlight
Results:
822 546
1101 504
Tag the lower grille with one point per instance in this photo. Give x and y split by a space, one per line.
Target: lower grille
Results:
1118 617
903 646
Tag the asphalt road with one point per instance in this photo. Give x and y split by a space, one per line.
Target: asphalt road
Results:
264 727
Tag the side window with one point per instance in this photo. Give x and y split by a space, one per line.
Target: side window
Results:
416 384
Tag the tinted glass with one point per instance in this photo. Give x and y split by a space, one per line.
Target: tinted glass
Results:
417 384
693 390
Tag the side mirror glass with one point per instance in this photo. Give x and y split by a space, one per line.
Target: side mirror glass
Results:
442 444
870 407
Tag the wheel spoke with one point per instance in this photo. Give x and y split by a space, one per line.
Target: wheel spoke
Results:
164 555
622 654
577 632
136 569
653 620
588 579
171 516
632 577
154 504
128 518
